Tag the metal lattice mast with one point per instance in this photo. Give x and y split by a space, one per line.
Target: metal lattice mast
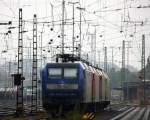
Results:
80 36
95 46
127 73
73 39
80 43
19 102
63 23
112 57
123 67
105 65
143 65
99 55
105 59
92 48
73 30
34 68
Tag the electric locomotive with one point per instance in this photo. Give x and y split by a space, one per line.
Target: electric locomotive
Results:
66 85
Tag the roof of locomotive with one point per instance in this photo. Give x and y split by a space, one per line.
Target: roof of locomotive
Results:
64 64
82 64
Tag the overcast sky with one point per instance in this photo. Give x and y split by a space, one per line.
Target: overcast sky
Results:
115 20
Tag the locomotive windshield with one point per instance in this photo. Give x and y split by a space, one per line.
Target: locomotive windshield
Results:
55 73
62 73
70 73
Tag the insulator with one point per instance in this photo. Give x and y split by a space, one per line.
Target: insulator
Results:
51 29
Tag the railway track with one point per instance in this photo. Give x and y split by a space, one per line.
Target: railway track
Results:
117 112
111 112
8 107
134 113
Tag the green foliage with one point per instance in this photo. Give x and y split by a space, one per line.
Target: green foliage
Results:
73 115
142 103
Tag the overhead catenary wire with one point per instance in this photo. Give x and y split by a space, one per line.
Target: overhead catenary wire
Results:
109 25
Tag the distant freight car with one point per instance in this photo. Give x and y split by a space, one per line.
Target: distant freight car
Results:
66 85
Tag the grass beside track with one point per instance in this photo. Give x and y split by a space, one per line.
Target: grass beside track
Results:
72 115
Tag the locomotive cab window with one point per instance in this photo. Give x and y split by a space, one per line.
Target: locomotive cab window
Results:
55 73
70 73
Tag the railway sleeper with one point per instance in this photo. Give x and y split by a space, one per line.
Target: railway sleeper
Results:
131 115
146 115
123 114
140 114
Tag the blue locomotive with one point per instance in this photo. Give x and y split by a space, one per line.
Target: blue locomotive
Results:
71 84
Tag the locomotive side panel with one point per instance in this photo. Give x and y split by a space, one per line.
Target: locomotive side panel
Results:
96 87
107 87
103 88
100 88
100 84
44 78
87 86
